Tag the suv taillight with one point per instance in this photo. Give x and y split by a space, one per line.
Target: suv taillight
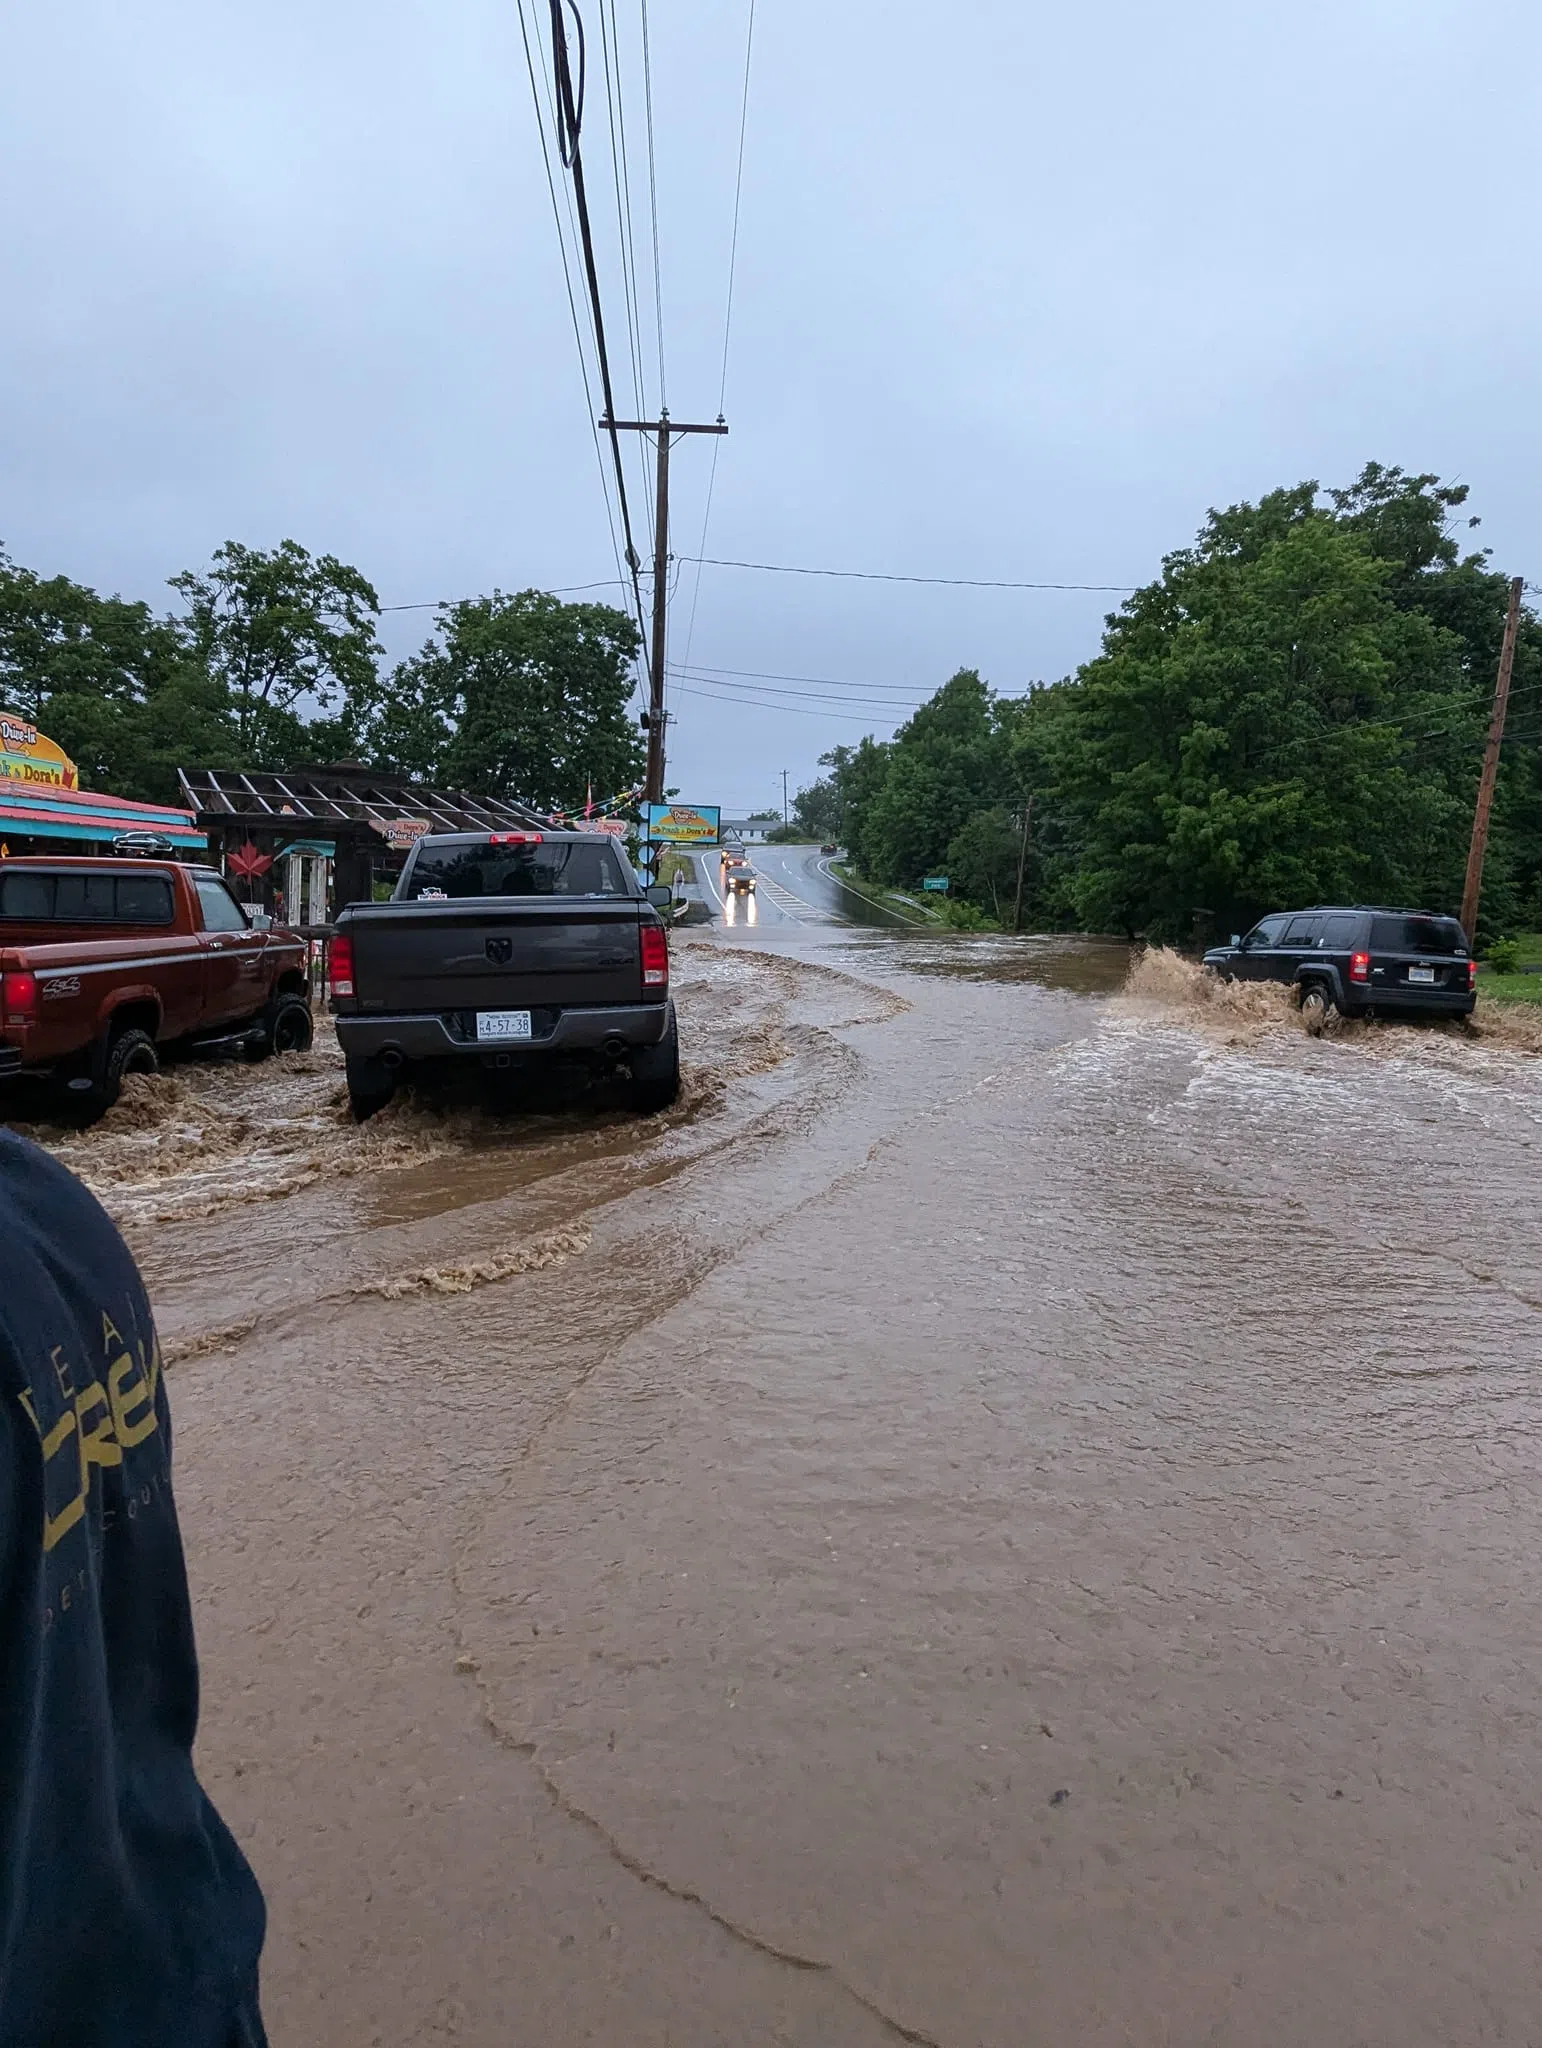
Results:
340 966
655 957
1472 976
18 998
1359 966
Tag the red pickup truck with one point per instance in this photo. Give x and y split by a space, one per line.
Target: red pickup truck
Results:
102 962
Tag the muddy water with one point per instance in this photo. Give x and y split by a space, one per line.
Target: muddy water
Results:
1010 1517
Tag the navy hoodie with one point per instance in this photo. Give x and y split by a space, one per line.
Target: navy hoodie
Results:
128 1916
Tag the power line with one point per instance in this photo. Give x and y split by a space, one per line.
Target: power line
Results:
570 113
776 676
882 576
728 317
791 710
434 604
567 278
885 700
653 206
620 164
610 46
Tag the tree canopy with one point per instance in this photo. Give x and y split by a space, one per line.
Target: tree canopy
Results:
1292 711
273 659
522 695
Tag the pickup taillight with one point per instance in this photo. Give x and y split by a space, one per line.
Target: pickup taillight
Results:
1359 966
340 966
18 998
655 956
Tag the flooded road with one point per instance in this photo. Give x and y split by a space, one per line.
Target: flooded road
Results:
1010 1517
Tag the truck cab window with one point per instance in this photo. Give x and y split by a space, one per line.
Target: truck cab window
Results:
221 912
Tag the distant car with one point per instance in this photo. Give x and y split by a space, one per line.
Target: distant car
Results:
1360 961
740 879
828 849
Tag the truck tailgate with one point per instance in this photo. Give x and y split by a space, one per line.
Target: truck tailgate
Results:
478 956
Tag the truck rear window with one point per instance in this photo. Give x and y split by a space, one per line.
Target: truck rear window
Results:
34 898
1417 935
555 867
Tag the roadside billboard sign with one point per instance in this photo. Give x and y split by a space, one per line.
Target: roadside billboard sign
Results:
683 824
618 828
27 755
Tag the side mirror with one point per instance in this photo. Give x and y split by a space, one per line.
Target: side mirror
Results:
660 895
1236 938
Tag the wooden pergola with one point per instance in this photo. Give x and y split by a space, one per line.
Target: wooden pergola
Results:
370 817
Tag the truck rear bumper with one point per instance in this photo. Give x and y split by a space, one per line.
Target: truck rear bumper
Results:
451 1034
10 1062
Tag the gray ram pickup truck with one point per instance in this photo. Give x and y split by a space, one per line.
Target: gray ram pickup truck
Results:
502 950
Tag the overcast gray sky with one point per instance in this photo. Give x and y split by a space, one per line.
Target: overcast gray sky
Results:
1021 291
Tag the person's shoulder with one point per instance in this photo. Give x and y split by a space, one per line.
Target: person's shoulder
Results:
37 1188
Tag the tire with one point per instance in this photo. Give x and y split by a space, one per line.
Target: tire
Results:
130 1052
371 1085
1317 1009
286 1026
656 1071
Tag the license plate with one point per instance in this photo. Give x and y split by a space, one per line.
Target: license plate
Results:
1421 974
497 1024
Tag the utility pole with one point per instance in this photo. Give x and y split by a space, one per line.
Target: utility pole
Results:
1022 862
1496 733
784 796
663 430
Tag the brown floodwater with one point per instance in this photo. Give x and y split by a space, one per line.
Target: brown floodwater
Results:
1010 1516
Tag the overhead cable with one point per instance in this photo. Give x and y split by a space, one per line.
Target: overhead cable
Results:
653 207
570 112
884 576
728 318
610 47
567 276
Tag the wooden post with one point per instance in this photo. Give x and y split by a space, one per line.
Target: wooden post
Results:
1022 862
1496 733
661 429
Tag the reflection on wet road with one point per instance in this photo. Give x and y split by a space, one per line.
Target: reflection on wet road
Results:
1010 1517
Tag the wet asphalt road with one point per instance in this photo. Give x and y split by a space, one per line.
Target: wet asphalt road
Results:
1010 1517
794 886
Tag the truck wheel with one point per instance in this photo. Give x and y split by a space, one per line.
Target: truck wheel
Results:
286 1027
131 1052
656 1071
371 1084
1316 1008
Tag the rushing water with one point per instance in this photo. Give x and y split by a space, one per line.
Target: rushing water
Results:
1010 1517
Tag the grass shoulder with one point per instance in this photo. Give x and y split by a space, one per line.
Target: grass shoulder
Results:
908 907
1509 988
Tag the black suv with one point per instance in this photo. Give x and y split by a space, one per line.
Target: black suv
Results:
1362 961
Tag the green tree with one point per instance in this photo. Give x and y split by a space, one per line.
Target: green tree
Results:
284 631
947 762
520 695
116 686
981 860
818 810
858 774
1265 726
61 639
